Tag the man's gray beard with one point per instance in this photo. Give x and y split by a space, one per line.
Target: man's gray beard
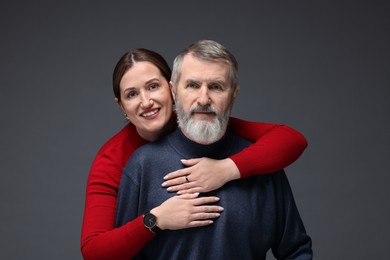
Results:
200 131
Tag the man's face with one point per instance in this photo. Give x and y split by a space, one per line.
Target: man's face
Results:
204 99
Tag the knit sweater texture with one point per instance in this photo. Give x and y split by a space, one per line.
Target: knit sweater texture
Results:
275 147
260 213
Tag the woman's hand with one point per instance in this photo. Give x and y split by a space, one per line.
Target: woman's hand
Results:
186 211
201 175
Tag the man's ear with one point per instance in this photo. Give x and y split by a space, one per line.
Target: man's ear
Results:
236 91
172 90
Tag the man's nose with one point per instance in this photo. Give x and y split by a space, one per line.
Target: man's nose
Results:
204 98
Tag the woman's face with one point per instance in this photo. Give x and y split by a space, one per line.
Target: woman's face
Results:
146 99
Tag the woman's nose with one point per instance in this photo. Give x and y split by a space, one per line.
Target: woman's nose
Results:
146 102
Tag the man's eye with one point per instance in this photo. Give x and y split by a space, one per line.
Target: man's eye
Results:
215 87
192 85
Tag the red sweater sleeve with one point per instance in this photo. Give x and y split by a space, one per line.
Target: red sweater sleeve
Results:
275 147
99 239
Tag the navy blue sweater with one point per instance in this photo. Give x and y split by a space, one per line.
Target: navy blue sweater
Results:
260 213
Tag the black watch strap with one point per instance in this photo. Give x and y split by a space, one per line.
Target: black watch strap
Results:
150 221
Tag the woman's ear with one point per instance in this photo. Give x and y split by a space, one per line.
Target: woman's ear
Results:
119 103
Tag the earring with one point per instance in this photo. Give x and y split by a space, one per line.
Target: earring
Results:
125 117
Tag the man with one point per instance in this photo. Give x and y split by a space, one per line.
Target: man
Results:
259 211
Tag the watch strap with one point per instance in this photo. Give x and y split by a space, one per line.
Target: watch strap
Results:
150 222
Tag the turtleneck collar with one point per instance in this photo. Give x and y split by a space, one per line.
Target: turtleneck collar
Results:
190 149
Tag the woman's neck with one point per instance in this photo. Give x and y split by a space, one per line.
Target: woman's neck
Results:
154 136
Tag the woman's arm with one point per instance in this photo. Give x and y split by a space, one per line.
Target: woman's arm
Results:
274 148
100 240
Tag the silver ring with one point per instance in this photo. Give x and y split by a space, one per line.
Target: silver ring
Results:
187 179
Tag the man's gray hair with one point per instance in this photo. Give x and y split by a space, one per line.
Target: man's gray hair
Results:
210 51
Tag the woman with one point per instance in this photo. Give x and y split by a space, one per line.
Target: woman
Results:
140 84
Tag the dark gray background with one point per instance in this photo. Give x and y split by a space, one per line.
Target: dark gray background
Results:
320 67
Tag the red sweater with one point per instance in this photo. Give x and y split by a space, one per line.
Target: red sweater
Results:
275 147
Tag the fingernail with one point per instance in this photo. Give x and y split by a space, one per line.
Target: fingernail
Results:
165 177
217 214
216 199
220 209
163 184
169 189
183 160
179 192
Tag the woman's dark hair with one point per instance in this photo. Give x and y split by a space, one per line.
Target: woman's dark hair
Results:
130 58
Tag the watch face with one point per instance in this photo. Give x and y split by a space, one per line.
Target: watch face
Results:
149 220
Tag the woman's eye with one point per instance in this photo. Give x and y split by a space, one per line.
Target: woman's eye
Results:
131 94
153 87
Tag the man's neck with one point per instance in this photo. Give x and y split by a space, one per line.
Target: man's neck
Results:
198 142
191 149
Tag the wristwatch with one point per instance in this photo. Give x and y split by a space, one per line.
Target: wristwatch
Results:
150 221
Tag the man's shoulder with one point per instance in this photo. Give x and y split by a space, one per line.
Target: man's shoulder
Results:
239 141
149 151
153 147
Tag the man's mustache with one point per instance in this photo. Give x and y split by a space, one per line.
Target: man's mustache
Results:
203 108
